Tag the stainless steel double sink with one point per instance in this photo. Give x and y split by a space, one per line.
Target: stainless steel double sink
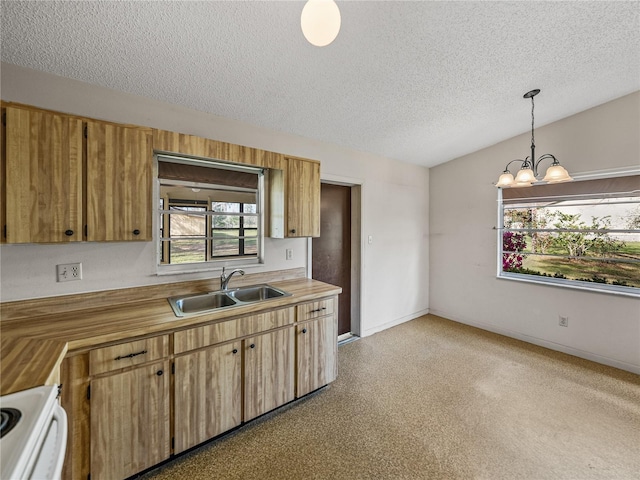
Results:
205 302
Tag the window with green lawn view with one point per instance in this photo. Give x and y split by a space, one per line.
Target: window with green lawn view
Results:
582 234
209 213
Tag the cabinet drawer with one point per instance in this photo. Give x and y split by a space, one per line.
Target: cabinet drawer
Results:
128 354
207 335
315 309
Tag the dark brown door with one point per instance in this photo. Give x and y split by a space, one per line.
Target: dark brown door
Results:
331 252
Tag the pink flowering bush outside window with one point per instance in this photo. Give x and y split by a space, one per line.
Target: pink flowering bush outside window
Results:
512 246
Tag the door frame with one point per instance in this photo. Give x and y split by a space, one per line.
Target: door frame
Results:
357 249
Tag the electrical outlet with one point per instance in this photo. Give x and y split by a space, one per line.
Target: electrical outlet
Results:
289 254
69 272
563 321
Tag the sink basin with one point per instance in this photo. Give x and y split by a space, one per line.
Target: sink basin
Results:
204 302
200 303
256 293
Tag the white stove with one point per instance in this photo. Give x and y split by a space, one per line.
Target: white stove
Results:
33 435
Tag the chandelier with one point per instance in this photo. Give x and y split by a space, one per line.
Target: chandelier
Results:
528 173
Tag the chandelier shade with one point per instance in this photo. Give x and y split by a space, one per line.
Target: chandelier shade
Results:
556 174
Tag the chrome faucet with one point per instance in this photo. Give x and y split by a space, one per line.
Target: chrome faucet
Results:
224 279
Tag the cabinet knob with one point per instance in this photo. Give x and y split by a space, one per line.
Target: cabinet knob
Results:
234 351
159 373
68 233
136 232
304 330
293 230
253 345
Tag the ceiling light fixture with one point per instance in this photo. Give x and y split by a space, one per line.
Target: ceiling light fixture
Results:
320 22
528 173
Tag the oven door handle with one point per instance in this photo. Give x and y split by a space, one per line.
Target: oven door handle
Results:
60 416
49 457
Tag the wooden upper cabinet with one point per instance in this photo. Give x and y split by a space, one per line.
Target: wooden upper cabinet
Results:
43 176
119 182
303 198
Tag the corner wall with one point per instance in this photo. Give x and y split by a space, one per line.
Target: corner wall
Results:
394 206
463 284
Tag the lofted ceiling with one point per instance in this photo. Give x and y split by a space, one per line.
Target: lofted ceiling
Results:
417 81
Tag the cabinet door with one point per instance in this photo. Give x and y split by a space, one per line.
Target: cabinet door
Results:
129 421
303 198
268 371
208 394
317 354
43 174
119 182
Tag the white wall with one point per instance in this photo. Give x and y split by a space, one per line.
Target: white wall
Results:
394 206
463 284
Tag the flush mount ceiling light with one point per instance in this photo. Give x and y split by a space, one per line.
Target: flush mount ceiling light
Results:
528 173
320 22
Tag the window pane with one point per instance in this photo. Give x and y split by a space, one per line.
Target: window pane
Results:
226 221
250 245
187 251
251 222
225 207
182 225
226 242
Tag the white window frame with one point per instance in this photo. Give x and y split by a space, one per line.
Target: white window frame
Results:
560 282
214 264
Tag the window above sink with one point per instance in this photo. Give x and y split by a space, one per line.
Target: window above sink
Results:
209 214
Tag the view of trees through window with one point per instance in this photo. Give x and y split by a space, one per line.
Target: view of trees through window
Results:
209 212
198 233
586 240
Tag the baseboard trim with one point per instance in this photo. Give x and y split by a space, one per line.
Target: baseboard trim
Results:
393 323
611 362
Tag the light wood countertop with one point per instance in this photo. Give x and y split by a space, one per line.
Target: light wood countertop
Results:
32 348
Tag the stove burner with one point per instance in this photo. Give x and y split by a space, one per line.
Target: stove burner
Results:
9 417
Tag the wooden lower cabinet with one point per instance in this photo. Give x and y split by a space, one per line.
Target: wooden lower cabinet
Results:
74 375
122 399
130 421
208 394
316 354
268 371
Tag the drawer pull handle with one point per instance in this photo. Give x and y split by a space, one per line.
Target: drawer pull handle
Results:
253 345
131 355
304 330
159 373
234 351
318 310
68 233
136 232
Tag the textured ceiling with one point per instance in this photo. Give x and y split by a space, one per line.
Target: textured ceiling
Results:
423 82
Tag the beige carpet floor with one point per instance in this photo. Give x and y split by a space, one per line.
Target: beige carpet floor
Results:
434 399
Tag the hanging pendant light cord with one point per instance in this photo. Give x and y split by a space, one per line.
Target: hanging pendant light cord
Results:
533 144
